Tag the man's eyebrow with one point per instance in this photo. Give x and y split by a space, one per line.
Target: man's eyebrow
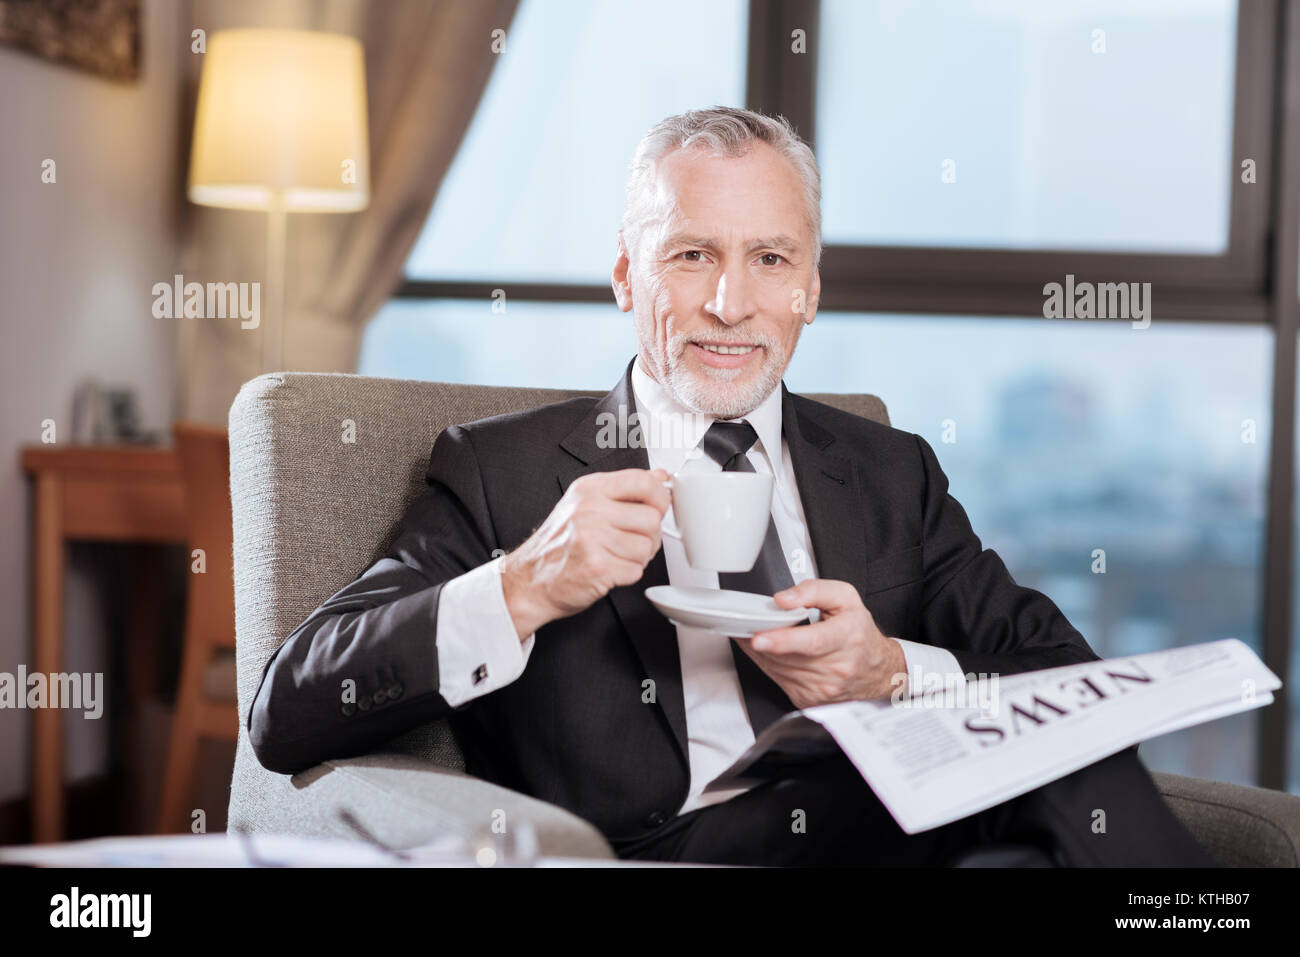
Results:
782 242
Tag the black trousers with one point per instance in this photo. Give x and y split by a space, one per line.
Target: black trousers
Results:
1108 814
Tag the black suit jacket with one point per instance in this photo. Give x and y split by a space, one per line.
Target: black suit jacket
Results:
574 728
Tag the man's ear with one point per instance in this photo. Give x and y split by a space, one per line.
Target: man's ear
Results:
814 297
619 277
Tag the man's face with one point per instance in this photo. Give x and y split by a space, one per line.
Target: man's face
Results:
721 279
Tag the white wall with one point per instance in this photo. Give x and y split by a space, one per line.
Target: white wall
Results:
77 261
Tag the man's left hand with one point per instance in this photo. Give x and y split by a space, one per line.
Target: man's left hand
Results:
843 657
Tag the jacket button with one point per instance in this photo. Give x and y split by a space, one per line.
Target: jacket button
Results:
364 702
348 710
394 692
655 818
381 696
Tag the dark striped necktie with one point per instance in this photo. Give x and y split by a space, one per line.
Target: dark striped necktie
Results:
726 443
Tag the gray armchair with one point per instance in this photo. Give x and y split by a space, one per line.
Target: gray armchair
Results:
312 510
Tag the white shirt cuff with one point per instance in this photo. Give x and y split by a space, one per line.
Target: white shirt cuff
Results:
478 647
930 668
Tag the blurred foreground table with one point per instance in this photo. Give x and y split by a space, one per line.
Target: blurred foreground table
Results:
89 493
282 850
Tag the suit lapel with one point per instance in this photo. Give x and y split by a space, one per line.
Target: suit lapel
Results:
831 491
653 636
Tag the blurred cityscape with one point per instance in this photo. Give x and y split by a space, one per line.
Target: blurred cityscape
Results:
1182 544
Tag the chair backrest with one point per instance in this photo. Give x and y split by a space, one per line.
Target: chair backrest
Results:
204 454
321 468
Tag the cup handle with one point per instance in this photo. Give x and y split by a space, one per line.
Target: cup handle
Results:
670 531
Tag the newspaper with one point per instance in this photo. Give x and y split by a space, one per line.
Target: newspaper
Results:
950 752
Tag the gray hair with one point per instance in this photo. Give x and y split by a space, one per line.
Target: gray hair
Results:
725 131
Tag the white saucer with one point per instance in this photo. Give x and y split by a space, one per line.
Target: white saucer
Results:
738 614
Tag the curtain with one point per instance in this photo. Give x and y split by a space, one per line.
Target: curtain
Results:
427 64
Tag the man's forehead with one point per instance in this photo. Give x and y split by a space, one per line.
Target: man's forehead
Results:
673 226
707 238
705 196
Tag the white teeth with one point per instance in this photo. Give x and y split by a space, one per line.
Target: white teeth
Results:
727 350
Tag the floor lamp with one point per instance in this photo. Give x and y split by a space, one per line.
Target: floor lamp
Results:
280 128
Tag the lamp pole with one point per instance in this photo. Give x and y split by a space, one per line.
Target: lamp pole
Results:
276 229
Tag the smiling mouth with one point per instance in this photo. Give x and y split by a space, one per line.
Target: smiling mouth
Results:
725 350
725 357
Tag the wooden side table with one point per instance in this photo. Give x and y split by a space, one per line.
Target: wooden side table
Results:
85 493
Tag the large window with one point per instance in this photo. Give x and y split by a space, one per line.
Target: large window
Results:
1102 138
535 191
1018 123
564 345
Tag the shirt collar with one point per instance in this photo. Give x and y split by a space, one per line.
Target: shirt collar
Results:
674 430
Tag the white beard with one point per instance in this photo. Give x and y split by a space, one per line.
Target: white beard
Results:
717 395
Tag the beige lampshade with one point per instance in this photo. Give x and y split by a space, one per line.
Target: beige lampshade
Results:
281 119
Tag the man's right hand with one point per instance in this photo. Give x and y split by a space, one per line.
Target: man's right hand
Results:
601 534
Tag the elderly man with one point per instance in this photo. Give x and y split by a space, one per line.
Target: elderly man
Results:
512 598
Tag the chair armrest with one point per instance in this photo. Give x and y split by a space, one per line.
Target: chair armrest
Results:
405 801
1240 826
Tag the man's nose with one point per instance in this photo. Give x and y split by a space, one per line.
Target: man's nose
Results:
733 300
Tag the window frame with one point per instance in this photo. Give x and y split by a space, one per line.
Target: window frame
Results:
1006 282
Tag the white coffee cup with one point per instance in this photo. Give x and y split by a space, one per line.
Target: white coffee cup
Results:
721 518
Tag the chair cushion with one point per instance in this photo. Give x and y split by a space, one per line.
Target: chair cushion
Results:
1240 826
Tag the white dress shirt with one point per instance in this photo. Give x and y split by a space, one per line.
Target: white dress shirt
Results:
479 649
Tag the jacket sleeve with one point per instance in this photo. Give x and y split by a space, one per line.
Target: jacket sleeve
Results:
363 667
970 603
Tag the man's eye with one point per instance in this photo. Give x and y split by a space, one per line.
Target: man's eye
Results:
779 259
692 252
